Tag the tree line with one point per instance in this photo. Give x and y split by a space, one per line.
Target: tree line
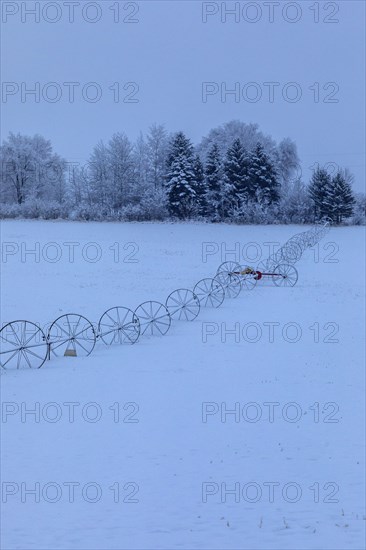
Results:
235 174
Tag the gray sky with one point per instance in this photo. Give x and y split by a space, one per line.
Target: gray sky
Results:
169 52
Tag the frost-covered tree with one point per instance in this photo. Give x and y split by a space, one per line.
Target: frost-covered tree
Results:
224 136
79 190
318 189
262 176
31 170
295 204
246 178
214 176
238 187
199 186
141 165
56 187
283 156
157 149
180 178
287 163
97 181
120 152
359 216
339 200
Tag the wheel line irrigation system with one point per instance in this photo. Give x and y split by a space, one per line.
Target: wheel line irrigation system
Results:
23 344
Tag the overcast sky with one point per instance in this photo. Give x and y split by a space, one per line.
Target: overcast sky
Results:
167 50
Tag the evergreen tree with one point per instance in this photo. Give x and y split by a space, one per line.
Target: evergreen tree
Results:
339 199
199 186
359 217
214 182
225 134
264 184
237 189
318 189
180 179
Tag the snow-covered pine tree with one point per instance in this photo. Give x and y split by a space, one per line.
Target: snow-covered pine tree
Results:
180 178
237 188
227 133
199 186
264 184
359 216
339 199
361 205
318 189
214 182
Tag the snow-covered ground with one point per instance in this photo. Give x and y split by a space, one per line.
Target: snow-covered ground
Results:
143 452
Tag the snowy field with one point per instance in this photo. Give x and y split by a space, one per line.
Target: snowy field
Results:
241 430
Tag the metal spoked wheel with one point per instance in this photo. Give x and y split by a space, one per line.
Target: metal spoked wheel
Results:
22 345
183 305
263 266
228 267
302 240
71 335
285 275
230 282
311 240
292 252
210 292
249 280
154 318
278 255
268 265
119 325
